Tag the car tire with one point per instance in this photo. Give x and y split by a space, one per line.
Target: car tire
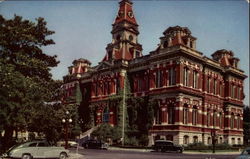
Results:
63 155
26 156
179 151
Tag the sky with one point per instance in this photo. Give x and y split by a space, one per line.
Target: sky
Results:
82 27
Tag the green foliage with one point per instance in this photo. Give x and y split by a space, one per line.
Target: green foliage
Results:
26 83
105 132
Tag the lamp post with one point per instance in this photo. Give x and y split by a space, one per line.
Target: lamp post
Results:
213 135
66 122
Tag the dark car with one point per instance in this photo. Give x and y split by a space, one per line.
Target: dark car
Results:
245 154
95 144
165 145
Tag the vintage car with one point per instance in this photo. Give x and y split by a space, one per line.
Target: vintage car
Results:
245 154
165 145
71 144
36 149
95 144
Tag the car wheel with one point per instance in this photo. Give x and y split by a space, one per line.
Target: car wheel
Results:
63 155
179 151
26 156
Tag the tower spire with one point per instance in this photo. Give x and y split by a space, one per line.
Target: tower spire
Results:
125 33
125 13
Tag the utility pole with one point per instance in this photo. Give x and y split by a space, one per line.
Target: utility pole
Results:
123 110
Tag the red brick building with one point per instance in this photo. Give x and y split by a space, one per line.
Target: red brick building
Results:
195 94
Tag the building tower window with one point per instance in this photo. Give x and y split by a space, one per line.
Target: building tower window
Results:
171 115
172 76
220 90
158 116
195 79
186 77
194 115
239 93
185 114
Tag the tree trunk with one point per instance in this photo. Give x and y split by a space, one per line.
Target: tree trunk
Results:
7 138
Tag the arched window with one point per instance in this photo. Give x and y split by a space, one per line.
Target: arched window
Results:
186 140
209 141
171 114
233 141
185 114
232 121
194 115
208 85
221 140
195 139
239 141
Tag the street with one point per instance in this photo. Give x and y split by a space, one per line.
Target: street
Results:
124 154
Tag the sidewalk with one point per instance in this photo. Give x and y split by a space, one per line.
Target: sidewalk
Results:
185 151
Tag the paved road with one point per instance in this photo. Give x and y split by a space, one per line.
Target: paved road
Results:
121 154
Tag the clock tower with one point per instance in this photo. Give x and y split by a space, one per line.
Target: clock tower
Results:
124 45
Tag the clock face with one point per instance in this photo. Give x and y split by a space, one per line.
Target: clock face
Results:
130 14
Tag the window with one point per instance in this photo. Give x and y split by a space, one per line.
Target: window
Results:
106 115
220 120
158 116
232 121
32 145
214 118
195 79
139 85
208 84
158 79
215 86
194 115
110 55
117 86
238 122
137 54
239 93
43 144
172 76
221 140
185 114
232 91
186 77
239 141
186 140
171 115
220 90
195 139
208 118
233 141
209 141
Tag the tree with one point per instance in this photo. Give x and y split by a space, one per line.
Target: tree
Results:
25 75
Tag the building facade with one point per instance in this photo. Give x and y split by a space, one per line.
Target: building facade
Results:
196 95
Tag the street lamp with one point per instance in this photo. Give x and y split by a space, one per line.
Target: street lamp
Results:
67 120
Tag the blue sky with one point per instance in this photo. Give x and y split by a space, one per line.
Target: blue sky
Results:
83 27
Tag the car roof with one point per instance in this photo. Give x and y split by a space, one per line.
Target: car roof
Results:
163 141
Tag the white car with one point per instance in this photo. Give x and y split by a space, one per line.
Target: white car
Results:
36 149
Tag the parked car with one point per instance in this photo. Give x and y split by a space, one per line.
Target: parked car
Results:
71 144
245 154
165 145
36 149
94 144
